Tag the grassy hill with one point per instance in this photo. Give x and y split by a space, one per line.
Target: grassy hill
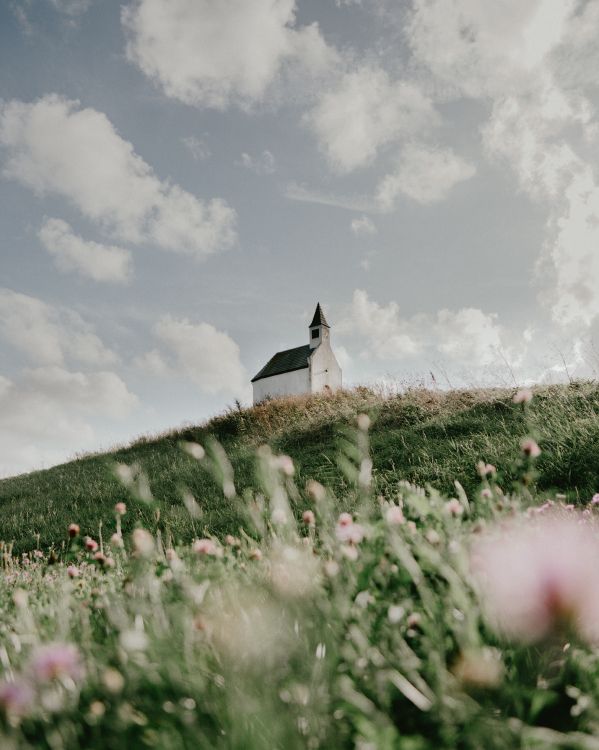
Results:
425 437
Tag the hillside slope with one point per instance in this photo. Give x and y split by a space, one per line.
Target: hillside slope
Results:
429 438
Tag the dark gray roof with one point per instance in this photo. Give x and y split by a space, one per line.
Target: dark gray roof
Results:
287 361
319 319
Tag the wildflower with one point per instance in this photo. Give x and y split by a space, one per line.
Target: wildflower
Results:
432 537
411 525
530 448
109 562
413 620
255 554
331 568
171 554
113 680
232 541
363 422
486 493
454 507
537 577
345 519
485 469
15 697
349 551
395 613
284 464
143 542
116 540
595 499
100 557
523 396
480 668
38 554
90 544
394 515
56 660
73 530
73 571
309 518
204 547
348 531
315 490
364 598
120 509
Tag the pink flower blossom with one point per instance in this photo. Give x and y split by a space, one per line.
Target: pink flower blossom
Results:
73 571
120 509
537 577
348 531
486 493
530 448
309 518
116 540
595 500
91 544
453 507
394 515
73 530
204 547
56 660
523 396
485 469
16 697
255 554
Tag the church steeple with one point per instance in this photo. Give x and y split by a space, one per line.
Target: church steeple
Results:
319 328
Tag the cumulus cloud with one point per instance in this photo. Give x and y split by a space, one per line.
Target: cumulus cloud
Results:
424 174
487 49
199 352
213 54
467 335
49 335
365 111
92 259
363 226
55 146
529 60
262 164
48 413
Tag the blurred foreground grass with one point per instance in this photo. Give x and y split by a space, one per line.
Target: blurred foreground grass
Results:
319 627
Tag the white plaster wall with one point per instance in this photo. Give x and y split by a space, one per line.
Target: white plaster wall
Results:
288 384
325 369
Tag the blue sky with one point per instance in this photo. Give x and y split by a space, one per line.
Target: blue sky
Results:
180 183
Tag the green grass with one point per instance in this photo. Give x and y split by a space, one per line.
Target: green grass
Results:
425 437
293 635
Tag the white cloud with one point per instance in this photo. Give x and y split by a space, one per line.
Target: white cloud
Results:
49 335
487 49
47 414
363 226
213 54
198 147
364 112
263 164
303 194
424 174
92 259
54 146
198 351
532 61
467 337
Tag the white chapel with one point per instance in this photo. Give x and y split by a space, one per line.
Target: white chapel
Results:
305 369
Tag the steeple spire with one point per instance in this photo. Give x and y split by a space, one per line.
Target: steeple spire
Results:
319 319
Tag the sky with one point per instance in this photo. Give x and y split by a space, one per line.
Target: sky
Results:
182 181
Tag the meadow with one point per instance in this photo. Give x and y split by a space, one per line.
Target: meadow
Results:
366 606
